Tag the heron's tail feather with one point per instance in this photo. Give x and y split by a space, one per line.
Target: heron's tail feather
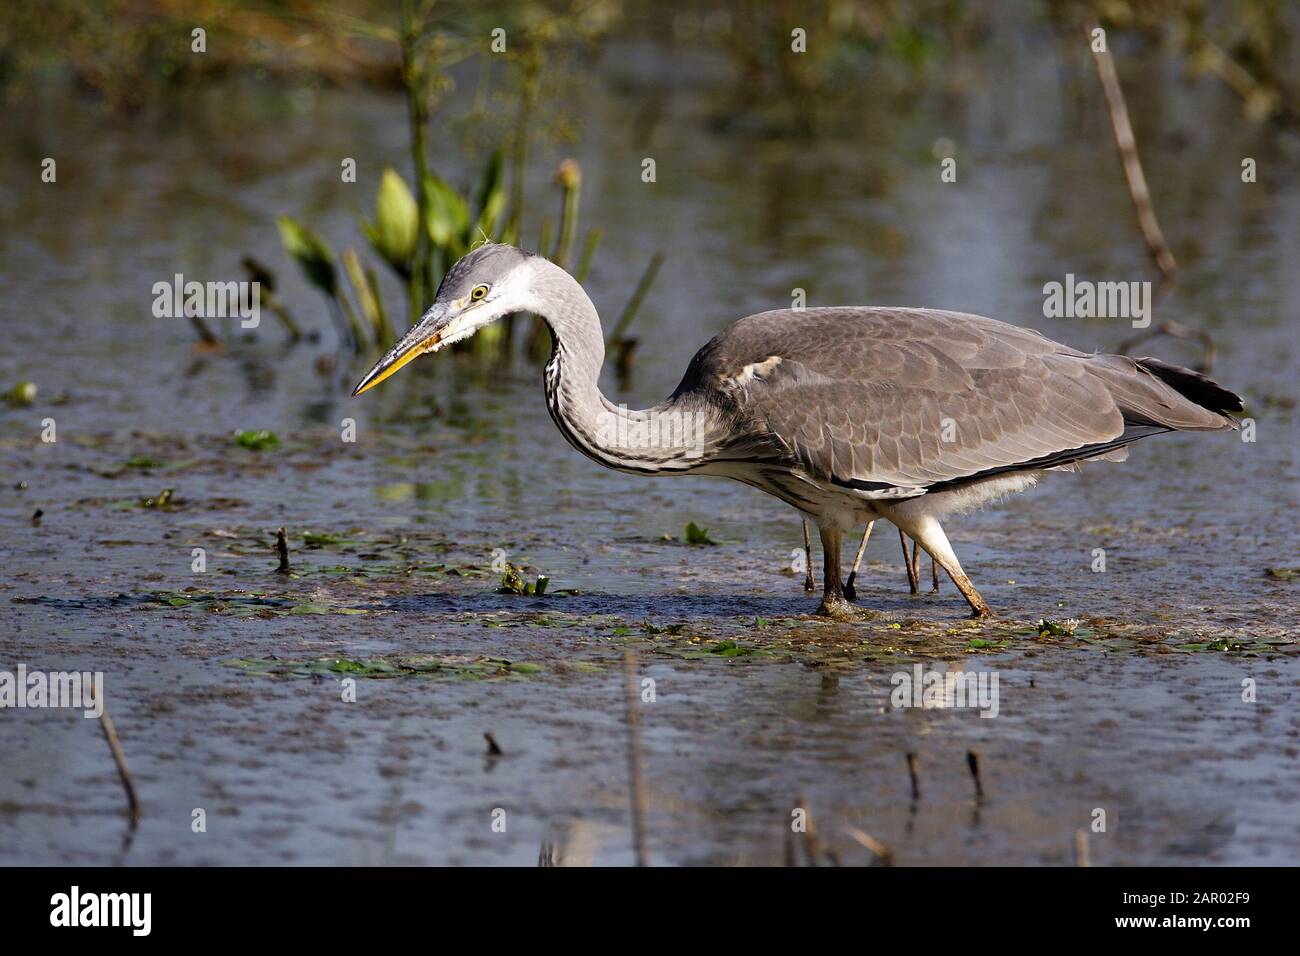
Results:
1193 386
1150 392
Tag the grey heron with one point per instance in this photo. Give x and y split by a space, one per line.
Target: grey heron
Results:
848 414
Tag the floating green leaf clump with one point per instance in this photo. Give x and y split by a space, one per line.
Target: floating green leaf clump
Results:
257 440
240 604
24 393
729 649
512 582
1283 574
324 539
417 665
721 648
1222 645
671 629
161 500
697 535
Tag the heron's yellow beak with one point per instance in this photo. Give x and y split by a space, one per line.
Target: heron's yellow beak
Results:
423 337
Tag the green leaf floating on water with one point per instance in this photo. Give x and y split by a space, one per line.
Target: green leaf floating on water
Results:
1222 645
416 665
239 604
257 440
24 393
161 500
697 535
729 649
512 582
724 648
326 539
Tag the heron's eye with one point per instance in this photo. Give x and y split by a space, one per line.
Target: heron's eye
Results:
479 293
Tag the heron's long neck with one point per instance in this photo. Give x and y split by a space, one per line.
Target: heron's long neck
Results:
665 438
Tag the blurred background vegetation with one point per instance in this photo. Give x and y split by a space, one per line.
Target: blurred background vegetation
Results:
125 51
129 56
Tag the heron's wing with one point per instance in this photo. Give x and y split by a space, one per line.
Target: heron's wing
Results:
896 401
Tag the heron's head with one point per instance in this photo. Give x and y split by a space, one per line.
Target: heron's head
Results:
480 288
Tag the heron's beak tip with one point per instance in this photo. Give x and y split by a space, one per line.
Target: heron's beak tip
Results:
367 383
398 358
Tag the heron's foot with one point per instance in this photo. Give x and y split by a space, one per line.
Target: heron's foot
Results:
838 609
809 584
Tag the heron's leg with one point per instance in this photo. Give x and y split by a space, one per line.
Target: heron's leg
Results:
916 566
833 603
912 584
934 573
927 531
809 584
849 591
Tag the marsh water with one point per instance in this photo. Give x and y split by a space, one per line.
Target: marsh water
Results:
219 682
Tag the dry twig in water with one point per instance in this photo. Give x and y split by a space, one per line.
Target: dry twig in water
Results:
882 853
1127 145
1178 331
119 758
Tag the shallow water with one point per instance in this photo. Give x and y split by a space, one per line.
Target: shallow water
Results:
1134 714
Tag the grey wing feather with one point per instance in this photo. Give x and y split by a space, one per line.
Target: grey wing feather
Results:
898 401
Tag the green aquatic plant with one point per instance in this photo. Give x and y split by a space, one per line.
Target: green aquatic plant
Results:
411 665
695 535
24 393
1065 628
420 230
239 604
161 500
257 440
512 582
